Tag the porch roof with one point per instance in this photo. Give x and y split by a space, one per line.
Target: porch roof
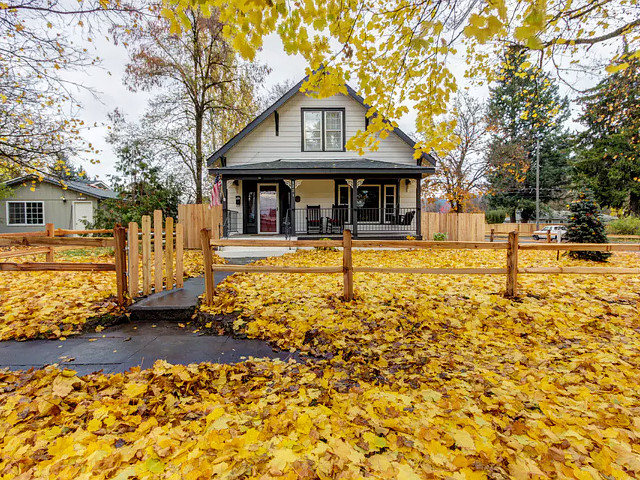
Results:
323 168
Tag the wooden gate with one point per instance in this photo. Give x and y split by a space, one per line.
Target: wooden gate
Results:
195 218
156 265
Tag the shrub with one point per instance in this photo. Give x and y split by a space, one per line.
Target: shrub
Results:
585 226
625 226
439 237
495 216
329 249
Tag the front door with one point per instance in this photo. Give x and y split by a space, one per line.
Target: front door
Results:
82 215
268 208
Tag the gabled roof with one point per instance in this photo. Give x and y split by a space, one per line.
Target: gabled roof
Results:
281 101
80 186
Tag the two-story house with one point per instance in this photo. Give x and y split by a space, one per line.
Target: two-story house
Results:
288 172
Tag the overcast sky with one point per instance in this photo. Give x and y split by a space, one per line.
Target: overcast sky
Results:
111 93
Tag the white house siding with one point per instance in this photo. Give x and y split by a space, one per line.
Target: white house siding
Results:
262 144
315 192
56 211
408 194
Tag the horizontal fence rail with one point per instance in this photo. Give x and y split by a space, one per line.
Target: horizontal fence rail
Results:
512 269
50 241
57 266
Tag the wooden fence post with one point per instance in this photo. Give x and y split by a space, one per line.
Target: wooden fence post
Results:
347 265
168 235
493 231
512 265
209 281
548 236
121 262
134 261
50 229
157 250
146 255
179 256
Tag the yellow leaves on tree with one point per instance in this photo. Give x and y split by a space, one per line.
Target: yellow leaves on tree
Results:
402 52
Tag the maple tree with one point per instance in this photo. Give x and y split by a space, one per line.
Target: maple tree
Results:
460 173
401 53
525 106
608 156
210 92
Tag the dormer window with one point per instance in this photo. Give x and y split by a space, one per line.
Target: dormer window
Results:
323 130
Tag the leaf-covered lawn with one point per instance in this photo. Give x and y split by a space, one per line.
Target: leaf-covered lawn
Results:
58 304
419 377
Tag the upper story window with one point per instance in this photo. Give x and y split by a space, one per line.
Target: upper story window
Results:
25 213
323 130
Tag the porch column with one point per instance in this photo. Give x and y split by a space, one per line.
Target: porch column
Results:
419 208
225 206
293 206
354 200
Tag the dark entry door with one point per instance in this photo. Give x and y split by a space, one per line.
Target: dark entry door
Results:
250 202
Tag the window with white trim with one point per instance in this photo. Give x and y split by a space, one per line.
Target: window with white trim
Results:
25 213
323 130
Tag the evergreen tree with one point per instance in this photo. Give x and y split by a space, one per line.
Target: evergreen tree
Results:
141 187
609 150
525 103
585 226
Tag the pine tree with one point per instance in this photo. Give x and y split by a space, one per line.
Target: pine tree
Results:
525 103
585 226
609 150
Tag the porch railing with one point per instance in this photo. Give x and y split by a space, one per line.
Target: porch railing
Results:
229 222
332 221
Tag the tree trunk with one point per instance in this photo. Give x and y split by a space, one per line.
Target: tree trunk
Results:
512 216
199 160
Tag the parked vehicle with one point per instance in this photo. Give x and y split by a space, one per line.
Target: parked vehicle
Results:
553 230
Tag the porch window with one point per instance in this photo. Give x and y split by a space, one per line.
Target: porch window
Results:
323 130
25 213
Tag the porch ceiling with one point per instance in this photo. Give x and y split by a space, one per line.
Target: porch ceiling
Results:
322 168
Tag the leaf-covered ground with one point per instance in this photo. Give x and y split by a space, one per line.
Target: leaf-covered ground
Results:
58 304
420 377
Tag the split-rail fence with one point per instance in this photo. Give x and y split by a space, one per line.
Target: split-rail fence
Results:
161 243
511 269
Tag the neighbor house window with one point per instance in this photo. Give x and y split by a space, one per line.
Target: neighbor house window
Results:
323 130
25 213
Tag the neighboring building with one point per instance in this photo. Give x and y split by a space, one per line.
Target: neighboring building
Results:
26 210
288 172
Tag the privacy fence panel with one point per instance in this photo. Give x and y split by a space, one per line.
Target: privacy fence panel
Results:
459 227
196 217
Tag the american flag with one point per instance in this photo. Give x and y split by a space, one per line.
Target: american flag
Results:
215 192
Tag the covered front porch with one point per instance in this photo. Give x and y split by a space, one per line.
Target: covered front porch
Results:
301 199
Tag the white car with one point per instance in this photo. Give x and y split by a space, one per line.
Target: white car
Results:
553 230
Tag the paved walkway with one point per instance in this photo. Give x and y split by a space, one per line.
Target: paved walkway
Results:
141 343
119 348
